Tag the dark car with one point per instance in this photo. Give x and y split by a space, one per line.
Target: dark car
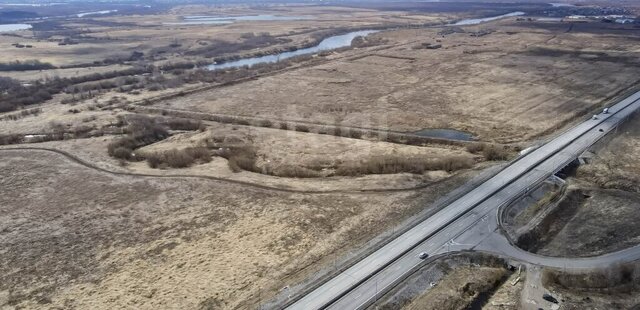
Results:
549 298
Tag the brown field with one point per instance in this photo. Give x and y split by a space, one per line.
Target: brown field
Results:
521 81
83 228
119 36
459 288
75 237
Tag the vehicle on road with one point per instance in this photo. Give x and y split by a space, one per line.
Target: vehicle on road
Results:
549 298
423 255
595 117
605 111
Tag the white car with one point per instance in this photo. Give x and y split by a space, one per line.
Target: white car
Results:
423 255
605 111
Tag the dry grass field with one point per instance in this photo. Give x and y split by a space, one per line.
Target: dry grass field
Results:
109 207
154 34
459 289
513 82
74 237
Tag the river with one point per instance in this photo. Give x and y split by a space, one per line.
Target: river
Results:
475 21
329 43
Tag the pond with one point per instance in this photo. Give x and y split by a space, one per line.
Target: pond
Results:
14 27
329 43
443 133
475 21
218 20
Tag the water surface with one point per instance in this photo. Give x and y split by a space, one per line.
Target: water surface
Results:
557 5
96 13
329 43
14 27
475 21
206 19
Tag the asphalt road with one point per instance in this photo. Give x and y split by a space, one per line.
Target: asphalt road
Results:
362 283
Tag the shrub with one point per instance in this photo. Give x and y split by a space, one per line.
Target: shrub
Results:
25 65
182 123
475 148
242 122
121 152
21 114
13 94
292 171
489 151
493 152
178 158
10 139
265 123
141 131
241 158
392 164
302 128
355 134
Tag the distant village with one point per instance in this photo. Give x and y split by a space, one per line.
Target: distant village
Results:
589 13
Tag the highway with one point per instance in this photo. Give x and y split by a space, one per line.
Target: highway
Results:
361 284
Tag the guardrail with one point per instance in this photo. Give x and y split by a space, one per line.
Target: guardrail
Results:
570 159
